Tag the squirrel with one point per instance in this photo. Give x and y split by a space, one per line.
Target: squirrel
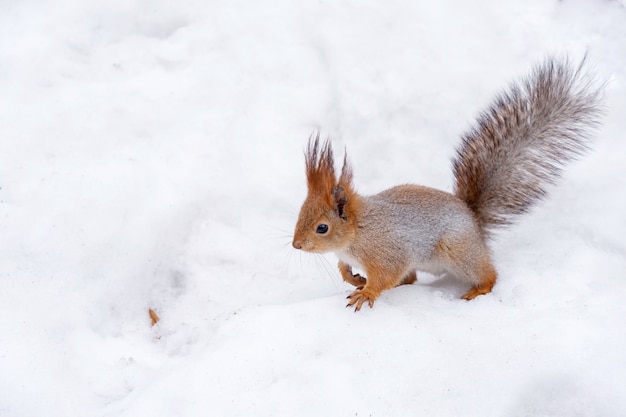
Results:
502 168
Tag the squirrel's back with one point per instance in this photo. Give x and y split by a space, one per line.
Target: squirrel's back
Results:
522 141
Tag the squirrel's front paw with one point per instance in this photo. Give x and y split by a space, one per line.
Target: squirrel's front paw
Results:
360 296
357 280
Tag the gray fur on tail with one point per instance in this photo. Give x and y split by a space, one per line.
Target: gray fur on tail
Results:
522 142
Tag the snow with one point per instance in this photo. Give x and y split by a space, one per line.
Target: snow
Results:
151 157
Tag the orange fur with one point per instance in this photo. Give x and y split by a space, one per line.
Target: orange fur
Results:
471 259
409 279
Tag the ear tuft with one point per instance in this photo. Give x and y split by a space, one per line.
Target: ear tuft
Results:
320 169
345 178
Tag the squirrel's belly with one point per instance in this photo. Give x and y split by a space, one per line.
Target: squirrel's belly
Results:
432 266
349 259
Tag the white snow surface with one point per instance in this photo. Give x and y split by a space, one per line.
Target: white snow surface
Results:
151 157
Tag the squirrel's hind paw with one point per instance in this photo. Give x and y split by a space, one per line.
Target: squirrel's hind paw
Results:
476 291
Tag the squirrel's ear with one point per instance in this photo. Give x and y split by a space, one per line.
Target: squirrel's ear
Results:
343 189
340 198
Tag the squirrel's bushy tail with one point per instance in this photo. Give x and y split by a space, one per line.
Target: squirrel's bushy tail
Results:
522 142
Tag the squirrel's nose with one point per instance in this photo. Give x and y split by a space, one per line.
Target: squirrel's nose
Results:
297 245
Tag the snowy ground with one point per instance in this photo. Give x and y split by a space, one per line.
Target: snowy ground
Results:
151 157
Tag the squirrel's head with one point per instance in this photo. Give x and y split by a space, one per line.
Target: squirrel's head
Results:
327 220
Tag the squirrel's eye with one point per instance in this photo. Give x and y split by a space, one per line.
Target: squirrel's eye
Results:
322 228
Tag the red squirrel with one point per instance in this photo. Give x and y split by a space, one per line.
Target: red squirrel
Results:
501 169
